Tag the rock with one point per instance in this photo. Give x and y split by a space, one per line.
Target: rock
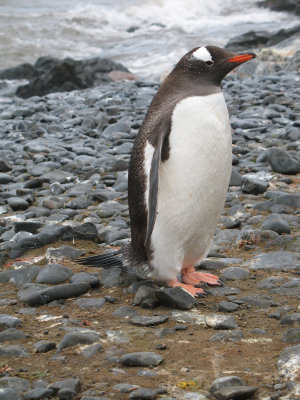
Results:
18 384
86 231
66 394
282 162
125 312
235 273
291 336
227 306
290 319
148 321
275 223
20 276
44 346
253 186
83 336
235 392
5 165
38 393
278 5
218 321
143 293
13 351
55 293
236 178
273 261
9 394
11 334
143 394
27 226
63 252
288 362
54 274
117 336
7 321
90 303
126 387
91 351
141 359
5 178
73 384
176 297
227 336
225 382
17 203
92 280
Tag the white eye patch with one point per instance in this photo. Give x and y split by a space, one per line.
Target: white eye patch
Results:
202 54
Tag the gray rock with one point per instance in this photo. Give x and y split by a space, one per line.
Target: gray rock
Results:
141 359
227 336
73 384
54 274
77 337
291 336
235 392
11 334
13 351
288 362
64 252
274 261
219 321
117 336
90 303
281 161
66 394
236 178
148 321
20 385
44 346
225 382
290 319
20 276
38 393
235 273
9 394
5 178
17 203
143 394
91 351
227 306
253 185
27 226
176 297
92 280
257 300
55 293
7 321
275 223
143 293
125 312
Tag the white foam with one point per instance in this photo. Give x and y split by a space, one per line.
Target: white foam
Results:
202 54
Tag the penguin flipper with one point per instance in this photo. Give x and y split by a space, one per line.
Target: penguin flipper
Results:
162 133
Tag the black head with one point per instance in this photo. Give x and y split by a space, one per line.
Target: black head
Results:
210 64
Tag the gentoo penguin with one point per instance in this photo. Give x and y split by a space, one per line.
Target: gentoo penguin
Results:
179 172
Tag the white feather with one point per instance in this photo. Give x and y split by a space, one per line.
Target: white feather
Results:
193 184
148 155
202 54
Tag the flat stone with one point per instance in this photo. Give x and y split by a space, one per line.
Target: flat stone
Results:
20 385
9 394
38 393
218 321
117 336
176 297
92 350
17 203
291 336
44 346
55 293
253 185
290 319
20 276
235 392
126 387
189 317
274 261
11 334
91 279
227 336
13 351
141 359
225 382
275 223
235 273
281 161
63 252
143 394
125 312
54 274
91 302
148 321
227 306
77 337
73 384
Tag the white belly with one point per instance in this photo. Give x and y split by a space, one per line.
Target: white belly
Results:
193 184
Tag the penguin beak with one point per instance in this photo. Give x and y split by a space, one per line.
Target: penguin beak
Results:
241 58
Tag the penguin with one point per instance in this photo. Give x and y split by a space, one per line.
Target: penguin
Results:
179 173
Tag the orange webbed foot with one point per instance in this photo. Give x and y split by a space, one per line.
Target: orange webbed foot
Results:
192 277
196 292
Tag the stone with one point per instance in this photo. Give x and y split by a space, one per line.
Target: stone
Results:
218 321
143 394
253 186
73 384
7 321
227 306
273 261
281 161
54 274
17 203
288 362
175 297
141 359
55 293
44 346
291 336
143 293
66 394
38 393
235 273
117 336
148 321
9 394
235 392
27 226
226 381
86 277
62 252
290 319
227 336
91 351
275 223
11 334
125 312
13 351
20 276
90 303
83 336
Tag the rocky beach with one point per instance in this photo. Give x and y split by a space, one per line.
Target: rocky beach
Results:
69 331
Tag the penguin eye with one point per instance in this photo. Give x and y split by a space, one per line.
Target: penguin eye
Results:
209 63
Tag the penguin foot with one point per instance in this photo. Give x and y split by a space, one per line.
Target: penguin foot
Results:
192 277
196 292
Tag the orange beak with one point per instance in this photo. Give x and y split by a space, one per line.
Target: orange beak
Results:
241 58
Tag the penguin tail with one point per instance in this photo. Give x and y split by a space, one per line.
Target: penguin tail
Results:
106 260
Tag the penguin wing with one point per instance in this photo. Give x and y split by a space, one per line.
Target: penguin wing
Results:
162 134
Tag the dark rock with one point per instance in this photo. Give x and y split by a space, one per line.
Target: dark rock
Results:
91 351
73 384
13 351
5 178
235 273
55 293
141 359
281 161
44 346
9 394
92 280
17 203
87 231
279 5
66 394
253 185
148 321
143 293
291 336
125 311
218 321
227 336
225 382
5 165
176 297
27 226
290 319
20 276
273 261
18 384
7 321
64 252
227 306
54 274
236 178
143 394
275 223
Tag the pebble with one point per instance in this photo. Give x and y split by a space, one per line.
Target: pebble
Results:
54 274
77 337
175 297
288 362
148 321
218 321
235 273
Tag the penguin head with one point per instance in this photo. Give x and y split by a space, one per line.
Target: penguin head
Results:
210 64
